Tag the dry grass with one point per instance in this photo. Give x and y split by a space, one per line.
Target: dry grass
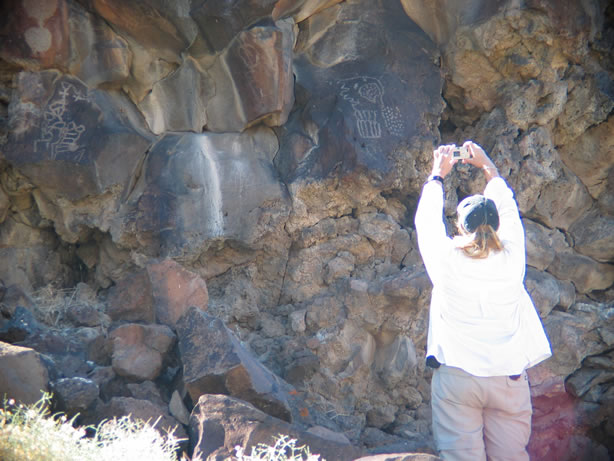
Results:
284 449
31 433
52 304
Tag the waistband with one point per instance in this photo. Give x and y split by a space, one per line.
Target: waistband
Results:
432 362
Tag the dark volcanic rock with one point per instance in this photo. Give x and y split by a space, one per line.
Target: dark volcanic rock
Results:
220 423
200 187
215 362
70 140
368 97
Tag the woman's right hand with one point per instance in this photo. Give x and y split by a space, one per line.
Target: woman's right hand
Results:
480 160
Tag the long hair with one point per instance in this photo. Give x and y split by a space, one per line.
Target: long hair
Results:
479 244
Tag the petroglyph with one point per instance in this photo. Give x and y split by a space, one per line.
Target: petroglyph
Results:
59 135
366 96
393 120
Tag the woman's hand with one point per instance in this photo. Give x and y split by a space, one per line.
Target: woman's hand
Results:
443 161
480 160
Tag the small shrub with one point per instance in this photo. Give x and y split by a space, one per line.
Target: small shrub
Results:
285 449
31 433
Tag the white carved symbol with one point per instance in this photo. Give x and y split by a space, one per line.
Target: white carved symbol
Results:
366 95
60 136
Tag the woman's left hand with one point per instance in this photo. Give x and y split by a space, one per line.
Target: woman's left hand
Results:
443 161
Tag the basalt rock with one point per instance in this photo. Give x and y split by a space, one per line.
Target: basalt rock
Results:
230 422
182 191
225 367
24 376
261 160
360 119
65 137
139 350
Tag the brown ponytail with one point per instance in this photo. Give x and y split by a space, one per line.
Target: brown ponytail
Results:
480 243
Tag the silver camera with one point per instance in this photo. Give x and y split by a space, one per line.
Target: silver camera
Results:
460 153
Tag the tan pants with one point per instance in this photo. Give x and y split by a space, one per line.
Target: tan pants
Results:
477 418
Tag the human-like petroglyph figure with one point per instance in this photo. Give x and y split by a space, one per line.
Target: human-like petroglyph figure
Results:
366 96
59 135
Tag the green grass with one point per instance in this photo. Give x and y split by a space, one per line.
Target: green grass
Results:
32 433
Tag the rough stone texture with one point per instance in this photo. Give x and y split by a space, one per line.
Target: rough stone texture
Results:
229 422
139 350
143 410
68 140
362 127
19 326
214 362
275 150
254 81
174 290
131 299
201 187
24 376
74 395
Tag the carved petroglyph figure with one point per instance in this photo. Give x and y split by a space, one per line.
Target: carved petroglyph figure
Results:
59 135
366 95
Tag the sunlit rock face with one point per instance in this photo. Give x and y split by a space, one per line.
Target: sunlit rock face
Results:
261 161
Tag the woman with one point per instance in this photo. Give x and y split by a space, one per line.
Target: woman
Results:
484 331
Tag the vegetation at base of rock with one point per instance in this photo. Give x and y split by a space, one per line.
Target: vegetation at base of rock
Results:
32 433
284 449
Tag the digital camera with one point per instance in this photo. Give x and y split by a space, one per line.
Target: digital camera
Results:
461 153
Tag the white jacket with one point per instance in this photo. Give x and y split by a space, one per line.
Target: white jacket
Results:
481 319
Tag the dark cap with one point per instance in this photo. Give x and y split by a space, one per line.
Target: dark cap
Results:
475 210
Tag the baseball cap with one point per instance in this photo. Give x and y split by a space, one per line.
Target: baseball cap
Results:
475 210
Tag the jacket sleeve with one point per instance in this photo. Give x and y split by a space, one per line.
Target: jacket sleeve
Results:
511 230
433 240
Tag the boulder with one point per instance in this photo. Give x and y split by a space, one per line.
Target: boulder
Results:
174 290
539 244
229 422
21 325
143 410
262 57
181 204
590 156
585 273
23 376
218 24
544 290
363 126
66 138
65 350
13 296
440 18
34 262
594 236
385 446
573 336
178 102
215 362
131 299
160 292
74 395
139 350
147 390
177 408
546 190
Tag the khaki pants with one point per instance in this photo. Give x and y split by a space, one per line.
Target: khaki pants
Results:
476 418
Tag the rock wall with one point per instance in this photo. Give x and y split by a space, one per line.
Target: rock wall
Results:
261 160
